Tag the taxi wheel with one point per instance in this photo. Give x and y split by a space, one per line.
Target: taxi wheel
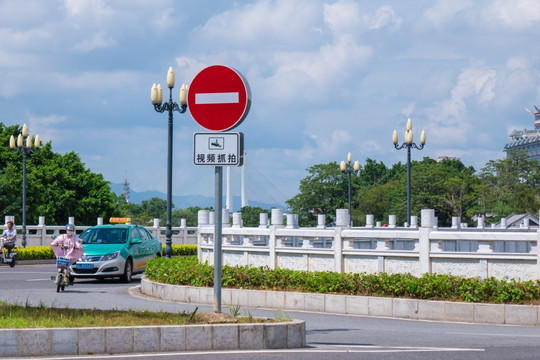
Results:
128 272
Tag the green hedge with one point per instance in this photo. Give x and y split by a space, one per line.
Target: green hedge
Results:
45 252
187 271
182 250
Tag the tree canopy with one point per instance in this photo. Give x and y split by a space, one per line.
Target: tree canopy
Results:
57 185
509 185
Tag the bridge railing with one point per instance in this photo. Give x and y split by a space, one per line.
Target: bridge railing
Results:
373 249
42 234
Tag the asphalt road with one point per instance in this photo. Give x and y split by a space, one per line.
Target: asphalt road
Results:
328 336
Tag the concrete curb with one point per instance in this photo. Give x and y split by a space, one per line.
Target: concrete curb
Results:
116 340
354 305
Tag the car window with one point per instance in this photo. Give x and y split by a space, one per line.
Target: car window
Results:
104 236
135 234
145 234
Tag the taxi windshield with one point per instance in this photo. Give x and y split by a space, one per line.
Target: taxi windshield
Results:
104 236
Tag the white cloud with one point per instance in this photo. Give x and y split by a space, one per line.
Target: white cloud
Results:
444 11
342 16
99 40
452 124
384 17
516 14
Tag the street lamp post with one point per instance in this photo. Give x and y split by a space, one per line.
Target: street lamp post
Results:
408 144
349 169
156 96
24 146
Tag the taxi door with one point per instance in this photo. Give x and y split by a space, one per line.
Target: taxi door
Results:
137 250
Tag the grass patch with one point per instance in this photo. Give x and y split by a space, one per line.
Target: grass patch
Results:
16 316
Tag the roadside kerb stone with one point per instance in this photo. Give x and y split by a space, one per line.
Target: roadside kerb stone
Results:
489 313
380 307
375 306
136 339
357 305
521 315
458 311
405 308
431 310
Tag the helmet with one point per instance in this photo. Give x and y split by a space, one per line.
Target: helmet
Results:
70 227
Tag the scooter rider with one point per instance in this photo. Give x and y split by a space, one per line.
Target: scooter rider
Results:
10 234
72 241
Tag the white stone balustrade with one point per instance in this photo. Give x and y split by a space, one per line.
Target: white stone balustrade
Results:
41 234
372 249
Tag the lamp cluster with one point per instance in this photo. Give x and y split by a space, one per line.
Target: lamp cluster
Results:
156 93
409 135
343 166
24 138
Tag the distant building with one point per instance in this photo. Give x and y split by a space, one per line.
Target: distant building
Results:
528 140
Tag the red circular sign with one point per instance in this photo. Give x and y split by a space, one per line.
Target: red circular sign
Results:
219 98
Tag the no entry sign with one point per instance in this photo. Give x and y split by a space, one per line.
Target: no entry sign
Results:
219 98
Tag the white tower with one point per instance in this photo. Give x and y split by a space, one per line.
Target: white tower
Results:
244 185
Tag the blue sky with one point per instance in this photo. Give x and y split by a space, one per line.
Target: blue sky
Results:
326 77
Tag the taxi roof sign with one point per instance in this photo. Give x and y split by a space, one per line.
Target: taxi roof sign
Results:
119 220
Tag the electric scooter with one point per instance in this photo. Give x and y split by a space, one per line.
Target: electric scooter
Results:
7 256
62 278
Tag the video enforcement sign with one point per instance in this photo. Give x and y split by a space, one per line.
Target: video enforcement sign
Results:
218 149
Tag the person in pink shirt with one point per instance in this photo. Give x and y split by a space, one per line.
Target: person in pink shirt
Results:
71 240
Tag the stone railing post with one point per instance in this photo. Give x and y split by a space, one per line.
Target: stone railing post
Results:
155 229
480 222
342 221
321 221
43 230
391 221
99 221
263 220
503 223
277 217
427 223
456 222
183 229
414 222
237 220
369 221
203 219
342 217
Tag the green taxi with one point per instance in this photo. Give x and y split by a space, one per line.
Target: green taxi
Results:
119 249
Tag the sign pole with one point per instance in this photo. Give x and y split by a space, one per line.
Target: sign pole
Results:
217 236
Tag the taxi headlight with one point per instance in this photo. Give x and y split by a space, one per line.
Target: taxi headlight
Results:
110 256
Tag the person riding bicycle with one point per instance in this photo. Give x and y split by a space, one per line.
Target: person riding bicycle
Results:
10 236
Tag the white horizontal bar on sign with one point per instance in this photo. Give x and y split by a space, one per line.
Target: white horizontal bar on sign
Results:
217 98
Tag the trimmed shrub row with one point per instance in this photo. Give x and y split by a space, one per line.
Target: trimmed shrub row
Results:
45 252
187 271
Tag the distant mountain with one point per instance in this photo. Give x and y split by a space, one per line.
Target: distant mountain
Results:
185 201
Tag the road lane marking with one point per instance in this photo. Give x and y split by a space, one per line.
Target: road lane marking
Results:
321 350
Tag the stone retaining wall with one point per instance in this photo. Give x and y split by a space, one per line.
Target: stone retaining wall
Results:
354 305
115 340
